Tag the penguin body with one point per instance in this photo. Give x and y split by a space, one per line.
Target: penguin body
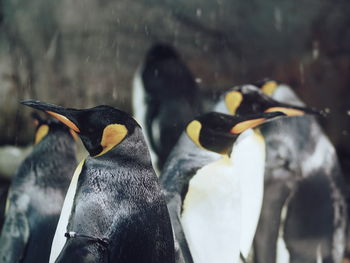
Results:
36 196
301 170
114 210
203 195
251 179
248 99
165 98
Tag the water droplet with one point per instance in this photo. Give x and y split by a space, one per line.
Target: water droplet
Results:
301 71
278 19
198 80
315 50
115 93
199 12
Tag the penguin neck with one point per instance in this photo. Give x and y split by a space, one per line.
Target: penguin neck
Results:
58 141
133 147
251 134
60 147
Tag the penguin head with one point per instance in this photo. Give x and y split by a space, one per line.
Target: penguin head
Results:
161 51
217 132
100 128
248 99
46 126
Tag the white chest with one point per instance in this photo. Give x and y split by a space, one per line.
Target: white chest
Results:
59 239
223 203
248 157
210 218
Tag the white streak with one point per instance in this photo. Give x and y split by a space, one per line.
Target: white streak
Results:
59 239
248 157
139 108
282 254
319 254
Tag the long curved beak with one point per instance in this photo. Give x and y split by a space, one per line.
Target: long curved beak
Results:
65 115
254 120
291 110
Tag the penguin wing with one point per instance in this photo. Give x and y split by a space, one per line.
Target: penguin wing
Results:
268 239
14 237
82 250
182 251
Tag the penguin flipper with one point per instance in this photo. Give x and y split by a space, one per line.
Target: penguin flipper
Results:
182 251
82 250
14 238
266 236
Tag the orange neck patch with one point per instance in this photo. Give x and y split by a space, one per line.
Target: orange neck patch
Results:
112 135
42 131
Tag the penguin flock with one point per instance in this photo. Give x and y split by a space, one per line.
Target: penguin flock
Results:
251 178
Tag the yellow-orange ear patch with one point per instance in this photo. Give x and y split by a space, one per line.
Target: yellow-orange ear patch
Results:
64 120
287 111
41 132
269 87
193 131
232 100
245 125
112 135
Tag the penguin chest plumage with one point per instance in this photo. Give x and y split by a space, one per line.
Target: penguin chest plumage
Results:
248 158
59 239
211 209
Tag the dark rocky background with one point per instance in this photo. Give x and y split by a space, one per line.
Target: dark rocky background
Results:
82 53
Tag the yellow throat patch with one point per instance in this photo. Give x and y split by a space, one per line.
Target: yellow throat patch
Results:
112 135
42 131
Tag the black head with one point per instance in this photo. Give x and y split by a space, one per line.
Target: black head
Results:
100 128
46 126
217 132
248 99
161 51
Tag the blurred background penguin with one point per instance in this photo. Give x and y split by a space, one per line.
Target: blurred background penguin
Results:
36 194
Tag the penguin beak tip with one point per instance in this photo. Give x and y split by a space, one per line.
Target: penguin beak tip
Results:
31 103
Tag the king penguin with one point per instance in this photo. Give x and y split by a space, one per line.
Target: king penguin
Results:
243 100
201 184
36 195
114 210
303 215
165 98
